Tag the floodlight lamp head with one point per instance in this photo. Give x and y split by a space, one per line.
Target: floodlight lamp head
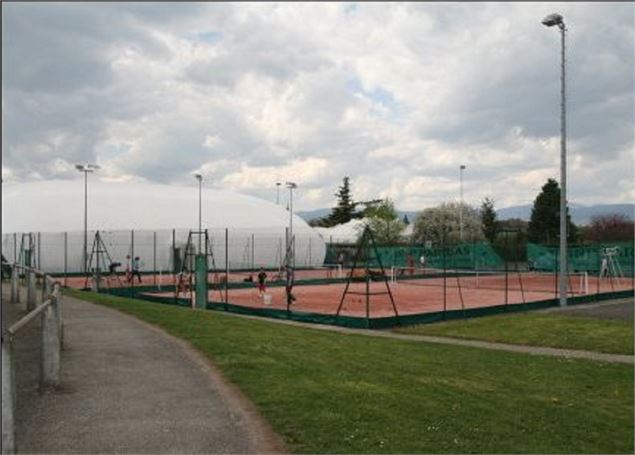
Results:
462 166
553 19
199 177
291 185
86 167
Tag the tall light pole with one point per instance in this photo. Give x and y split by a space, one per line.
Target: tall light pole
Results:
86 168
461 168
550 21
199 177
278 192
291 186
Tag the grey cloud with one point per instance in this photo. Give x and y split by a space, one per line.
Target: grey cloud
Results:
496 68
58 80
64 47
521 86
253 46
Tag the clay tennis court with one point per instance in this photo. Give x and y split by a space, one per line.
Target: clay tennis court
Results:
416 295
169 279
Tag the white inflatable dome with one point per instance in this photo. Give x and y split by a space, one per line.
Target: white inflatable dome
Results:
148 220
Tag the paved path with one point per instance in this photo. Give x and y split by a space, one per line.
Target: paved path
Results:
127 387
619 309
536 350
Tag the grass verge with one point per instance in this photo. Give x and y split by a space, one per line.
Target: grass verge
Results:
539 329
335 393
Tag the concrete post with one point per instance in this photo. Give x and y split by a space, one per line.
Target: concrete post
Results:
50 350
30 290
55 290
95 283
58 313
15 289
8 396
46 288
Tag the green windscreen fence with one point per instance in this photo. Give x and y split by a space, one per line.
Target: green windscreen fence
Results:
586 258
471 256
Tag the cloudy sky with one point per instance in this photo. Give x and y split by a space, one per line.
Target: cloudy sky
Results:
396 96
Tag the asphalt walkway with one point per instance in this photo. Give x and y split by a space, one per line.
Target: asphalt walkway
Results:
127 387
618 309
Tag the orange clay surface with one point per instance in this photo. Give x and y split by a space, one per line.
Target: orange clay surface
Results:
79 282
414 296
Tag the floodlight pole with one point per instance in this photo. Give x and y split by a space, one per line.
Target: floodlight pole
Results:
199 177
461 168
85 250
278 193
291 186
549 21
86 168
563 180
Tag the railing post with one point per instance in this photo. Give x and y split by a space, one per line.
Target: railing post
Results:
95 283
58 313
46 288
50 361
30 290
15 289
8 395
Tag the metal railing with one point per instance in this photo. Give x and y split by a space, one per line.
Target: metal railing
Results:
51 342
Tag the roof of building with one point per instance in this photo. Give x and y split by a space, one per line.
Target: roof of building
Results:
58 206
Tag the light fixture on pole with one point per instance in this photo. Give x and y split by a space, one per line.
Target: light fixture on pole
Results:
291 186
278 192
86 168
461 169
550 21
199 177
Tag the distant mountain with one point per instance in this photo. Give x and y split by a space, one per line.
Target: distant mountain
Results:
309 215
581 214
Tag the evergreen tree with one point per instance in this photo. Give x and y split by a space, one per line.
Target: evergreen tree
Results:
544 224
406 221
345 208
488 218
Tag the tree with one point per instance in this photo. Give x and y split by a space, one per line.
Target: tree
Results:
515 224
406 221
609 228
544 225
317 222
345 209
384 222
488 218
441 224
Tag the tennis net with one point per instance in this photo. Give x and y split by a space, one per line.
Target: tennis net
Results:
326 271
529 281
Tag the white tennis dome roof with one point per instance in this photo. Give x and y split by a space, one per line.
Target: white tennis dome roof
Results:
58 206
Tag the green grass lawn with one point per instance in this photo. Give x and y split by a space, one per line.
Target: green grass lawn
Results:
335 393
539 329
